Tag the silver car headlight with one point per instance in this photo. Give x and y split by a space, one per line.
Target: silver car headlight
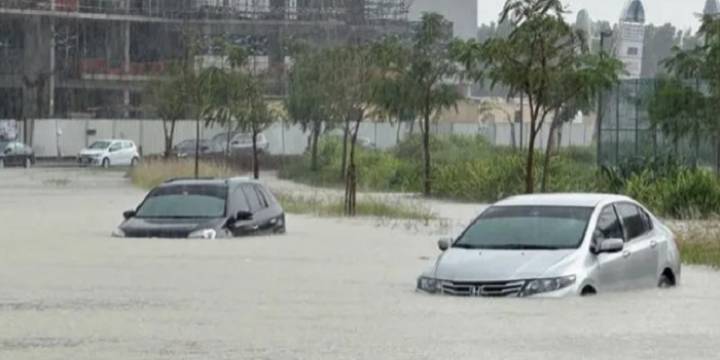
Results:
427 284
118 233
540 286
207 234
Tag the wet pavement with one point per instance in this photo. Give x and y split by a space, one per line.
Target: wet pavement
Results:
330 289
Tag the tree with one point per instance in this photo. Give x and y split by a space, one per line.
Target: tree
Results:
355 70
687 102
307 92
544 60
260 117
168 100
430 70
236 98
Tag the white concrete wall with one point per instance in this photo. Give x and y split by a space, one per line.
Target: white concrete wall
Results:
289 140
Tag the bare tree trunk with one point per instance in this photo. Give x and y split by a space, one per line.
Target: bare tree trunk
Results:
717 155
315 136
346 135
197 147
513 141
166 136
548 155
427 172
255 164
351 177
399 128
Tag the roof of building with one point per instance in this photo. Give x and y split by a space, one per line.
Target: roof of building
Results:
634 12
579 200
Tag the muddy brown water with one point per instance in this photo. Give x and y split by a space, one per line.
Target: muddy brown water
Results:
330 289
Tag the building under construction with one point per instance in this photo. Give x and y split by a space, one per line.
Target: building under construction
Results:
93 58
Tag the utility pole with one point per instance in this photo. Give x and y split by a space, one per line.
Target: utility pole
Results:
603 35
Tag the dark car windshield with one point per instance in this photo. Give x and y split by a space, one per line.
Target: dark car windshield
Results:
527 228
185 201
99 145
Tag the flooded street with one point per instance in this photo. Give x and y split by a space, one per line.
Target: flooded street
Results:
330 289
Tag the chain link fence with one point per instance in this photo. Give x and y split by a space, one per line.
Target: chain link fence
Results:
627 132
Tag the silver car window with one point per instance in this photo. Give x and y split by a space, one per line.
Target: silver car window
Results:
608 225
632 220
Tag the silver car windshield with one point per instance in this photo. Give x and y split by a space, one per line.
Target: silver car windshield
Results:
99 145
527 228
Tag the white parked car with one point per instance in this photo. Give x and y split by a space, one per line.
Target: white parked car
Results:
107 153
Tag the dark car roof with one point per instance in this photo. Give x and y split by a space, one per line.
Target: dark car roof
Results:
209 181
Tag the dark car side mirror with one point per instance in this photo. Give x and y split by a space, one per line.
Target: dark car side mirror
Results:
129 214
443 244
611 246
243 215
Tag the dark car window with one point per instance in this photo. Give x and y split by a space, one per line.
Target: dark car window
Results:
527 227
252 197
239 202
261 196
185 201
608 225
632 218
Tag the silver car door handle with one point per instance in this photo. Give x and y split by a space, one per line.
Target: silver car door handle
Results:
626 254
653 244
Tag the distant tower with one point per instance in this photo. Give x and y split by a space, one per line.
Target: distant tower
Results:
711 7
583 23
630 37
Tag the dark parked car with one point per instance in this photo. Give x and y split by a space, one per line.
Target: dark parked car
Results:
14 153
187 148
205 209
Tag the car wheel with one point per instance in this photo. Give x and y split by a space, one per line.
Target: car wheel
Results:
106 163
134 162
665 282
28 162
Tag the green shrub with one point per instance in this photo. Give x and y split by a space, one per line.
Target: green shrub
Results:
685 194
151 173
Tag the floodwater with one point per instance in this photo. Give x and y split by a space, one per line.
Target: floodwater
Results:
330 289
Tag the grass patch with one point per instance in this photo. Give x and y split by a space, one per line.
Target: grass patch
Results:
699 243
152 173
332 206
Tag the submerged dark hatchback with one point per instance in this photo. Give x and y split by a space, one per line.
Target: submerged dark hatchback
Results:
205 209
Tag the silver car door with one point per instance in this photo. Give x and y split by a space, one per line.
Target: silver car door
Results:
611 267
642 245
115 153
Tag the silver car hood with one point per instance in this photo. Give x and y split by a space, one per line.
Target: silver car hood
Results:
499 265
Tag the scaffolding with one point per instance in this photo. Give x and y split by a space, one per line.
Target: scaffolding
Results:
347 11
94 58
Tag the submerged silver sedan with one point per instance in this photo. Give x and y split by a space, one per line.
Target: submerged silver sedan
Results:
556 245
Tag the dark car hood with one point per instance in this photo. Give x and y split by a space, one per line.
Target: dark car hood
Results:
167 228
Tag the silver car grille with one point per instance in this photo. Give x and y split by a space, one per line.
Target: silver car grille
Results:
488 289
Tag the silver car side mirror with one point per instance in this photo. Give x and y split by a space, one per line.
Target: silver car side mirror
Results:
612 246
444 244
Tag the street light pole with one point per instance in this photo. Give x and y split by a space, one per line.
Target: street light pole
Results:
603 35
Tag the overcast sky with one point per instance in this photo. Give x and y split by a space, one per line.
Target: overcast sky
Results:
679 12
